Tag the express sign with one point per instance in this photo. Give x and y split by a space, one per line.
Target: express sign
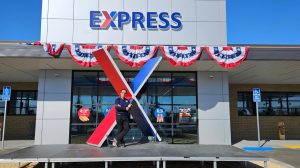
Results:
152 20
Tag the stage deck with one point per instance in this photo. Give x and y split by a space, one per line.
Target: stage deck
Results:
139 152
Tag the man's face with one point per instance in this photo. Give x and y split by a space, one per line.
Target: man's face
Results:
123 93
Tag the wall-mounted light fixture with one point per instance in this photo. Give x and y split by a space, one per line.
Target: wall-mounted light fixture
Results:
57 75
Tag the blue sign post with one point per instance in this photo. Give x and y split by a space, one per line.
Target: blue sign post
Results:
256 95
6 93
256 99
5 97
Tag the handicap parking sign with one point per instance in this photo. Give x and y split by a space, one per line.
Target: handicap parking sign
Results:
256 95
6 93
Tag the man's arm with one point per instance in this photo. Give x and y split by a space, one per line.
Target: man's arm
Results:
128 107
130 104
119 107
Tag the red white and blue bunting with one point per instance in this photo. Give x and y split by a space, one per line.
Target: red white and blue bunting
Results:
135 56
228 57
34 43
83 54
181 55
54 49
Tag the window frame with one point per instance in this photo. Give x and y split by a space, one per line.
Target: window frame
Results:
193 84
286 95
27 107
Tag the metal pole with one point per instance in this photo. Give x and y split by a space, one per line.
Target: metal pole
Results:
258 130
4 120
157 164
164 164
106 164
215 164
172 128
46 164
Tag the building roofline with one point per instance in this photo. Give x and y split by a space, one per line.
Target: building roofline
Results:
266 45
249 45
256 52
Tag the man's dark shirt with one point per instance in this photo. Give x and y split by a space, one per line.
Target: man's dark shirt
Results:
121 105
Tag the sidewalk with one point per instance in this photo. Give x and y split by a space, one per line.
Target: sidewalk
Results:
282 155
13 145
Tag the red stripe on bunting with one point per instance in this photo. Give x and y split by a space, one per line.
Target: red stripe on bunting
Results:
238 60
179 59
82 53
137 61
54 49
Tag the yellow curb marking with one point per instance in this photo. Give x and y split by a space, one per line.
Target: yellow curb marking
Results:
293 146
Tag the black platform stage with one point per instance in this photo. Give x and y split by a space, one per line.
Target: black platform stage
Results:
157 152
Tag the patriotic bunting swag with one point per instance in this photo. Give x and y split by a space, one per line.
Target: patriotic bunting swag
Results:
228 57
34 43
54 49
135 56
181 55
83 54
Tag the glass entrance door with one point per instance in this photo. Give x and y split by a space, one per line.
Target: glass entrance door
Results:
173 95
168 98
93 91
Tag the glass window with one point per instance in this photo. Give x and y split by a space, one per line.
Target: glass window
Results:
184 95
129 76
159 95
2 104
21 103
163 78
185 79
272 104
85 78
84 95
107 95
294 104
166 90
245 104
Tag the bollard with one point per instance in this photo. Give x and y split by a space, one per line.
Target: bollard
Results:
281 130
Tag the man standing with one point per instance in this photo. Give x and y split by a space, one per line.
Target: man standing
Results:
122 107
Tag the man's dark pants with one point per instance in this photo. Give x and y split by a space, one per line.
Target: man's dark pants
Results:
123 127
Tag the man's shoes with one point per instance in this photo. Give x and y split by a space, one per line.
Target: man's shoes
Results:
118 144
123 145
114 142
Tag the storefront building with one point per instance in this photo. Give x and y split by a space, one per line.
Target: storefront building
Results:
204 103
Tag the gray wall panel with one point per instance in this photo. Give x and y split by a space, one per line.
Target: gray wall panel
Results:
214 132
57 106
58 81
213 108
204 22
210 83
55 131
53 107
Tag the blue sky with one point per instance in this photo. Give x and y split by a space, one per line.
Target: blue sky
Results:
248 21
20 20
263 22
